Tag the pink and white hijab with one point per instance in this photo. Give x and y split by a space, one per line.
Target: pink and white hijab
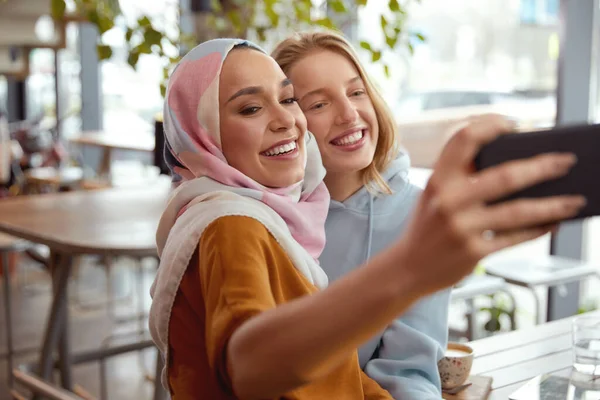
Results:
209 188
193 146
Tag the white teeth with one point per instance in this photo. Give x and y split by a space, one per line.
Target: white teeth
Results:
350 139
286 148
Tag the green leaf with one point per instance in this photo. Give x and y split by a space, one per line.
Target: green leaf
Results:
58 8
236 20
104 23
261 32
128 34
337 6
391 41
144 21
104 52
163 89
361 2
394 6
143 48
386 71
384 22
133 58
302 11
420 37
152 37
326 22
411 49
273 17
365 45
376 56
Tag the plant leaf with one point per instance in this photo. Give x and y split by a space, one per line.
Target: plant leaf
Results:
361 2
133 58
365 45
144 21
376 56
58 8
104 23
420 37
391 41
326 22
384 22
128 34
386 71
337 6
394 6
104 52
152 37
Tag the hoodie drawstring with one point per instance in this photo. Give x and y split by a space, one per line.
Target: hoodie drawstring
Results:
370 237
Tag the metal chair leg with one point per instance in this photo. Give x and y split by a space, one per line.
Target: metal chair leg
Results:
8 316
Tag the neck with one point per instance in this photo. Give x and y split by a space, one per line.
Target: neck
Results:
342 185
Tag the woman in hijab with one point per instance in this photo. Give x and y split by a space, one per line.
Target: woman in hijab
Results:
241 307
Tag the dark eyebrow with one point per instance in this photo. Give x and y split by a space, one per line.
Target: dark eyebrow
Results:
317 91
255 90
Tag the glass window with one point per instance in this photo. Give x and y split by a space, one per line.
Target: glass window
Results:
589 296
479 57
41 90
3 93
472 62
131 98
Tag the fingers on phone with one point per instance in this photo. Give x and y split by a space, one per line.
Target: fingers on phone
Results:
524 213
513 176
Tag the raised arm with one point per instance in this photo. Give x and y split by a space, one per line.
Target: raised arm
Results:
285 347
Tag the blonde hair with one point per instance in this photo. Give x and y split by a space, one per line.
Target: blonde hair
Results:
299 45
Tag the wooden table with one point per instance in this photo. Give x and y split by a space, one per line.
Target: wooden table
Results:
107 222
114 141
516 357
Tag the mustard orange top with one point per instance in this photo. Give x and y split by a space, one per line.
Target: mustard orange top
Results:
242 272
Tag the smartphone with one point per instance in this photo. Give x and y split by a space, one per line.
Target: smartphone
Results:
583 179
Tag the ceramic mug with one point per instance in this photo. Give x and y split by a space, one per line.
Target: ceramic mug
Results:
455 366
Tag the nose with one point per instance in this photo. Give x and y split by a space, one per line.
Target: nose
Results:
283 120
347 112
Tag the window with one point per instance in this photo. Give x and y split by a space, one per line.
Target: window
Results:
3 93
131 98
479 57
472 62
592 226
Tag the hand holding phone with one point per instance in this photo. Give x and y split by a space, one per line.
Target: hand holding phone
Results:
584 177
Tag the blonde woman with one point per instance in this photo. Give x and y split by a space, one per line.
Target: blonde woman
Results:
372 199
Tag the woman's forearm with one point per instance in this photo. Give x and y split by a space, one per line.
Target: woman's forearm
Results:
303 340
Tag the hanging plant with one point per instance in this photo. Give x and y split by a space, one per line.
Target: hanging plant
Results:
239 18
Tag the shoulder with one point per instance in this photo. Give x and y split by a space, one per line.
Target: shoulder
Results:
404 196
235 228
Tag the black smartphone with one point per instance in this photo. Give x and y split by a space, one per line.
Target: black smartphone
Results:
583 179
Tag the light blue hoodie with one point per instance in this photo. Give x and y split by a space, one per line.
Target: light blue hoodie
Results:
403 358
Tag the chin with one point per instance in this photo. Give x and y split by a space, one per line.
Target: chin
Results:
285 181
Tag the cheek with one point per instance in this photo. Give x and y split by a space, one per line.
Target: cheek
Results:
301 121
240 140
318 125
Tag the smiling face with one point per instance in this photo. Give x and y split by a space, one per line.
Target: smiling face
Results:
262 126
339 111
